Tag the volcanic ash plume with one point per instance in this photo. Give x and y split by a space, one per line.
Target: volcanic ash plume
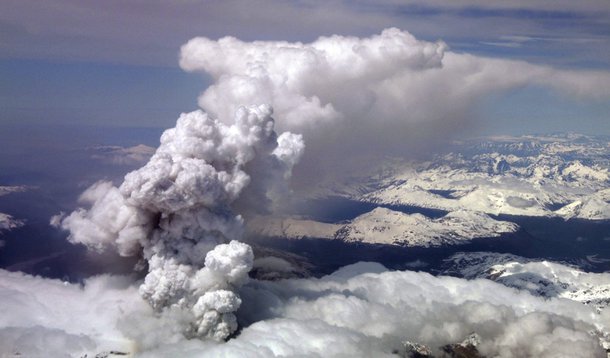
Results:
178 212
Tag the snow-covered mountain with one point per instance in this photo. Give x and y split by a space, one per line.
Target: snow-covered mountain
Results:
385 226
291 228
593 207
562 175
539 277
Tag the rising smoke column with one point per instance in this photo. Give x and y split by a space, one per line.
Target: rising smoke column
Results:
347 95
177 211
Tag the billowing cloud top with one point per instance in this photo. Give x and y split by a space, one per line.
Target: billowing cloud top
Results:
306 83
390 76
390 91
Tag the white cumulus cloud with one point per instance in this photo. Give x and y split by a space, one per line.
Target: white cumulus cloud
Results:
350 96
359 311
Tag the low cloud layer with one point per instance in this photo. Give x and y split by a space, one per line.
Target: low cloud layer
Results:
43 317
360 311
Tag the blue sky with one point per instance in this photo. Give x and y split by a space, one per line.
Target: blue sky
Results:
95 93
114 63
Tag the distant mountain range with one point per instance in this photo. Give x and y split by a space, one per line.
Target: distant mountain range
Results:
538 277
563 176
553 176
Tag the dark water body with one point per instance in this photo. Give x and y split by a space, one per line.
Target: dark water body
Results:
327 256
54 163
568 240
37 248
582 243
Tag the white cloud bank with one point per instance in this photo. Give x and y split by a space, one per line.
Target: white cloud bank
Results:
44 317
390 77
349 313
